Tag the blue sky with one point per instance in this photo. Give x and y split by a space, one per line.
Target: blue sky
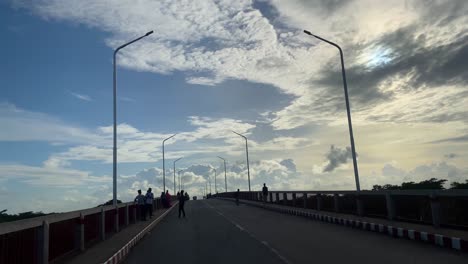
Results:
211 67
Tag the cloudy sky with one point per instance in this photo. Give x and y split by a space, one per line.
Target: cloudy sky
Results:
215 66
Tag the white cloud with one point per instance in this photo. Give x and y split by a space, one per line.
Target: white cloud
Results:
83 97
49 176
23 125
233 40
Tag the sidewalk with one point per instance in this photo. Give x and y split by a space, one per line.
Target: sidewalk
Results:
106 249
451 238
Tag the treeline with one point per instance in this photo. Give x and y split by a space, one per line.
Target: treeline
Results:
431 184
14 217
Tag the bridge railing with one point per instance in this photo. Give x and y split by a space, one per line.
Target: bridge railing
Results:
448 208
51 237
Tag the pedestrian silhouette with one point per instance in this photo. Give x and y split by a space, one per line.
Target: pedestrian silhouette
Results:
149 202
140 202
265 193
182 199
236 195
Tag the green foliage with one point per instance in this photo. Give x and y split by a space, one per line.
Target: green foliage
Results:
14 217
431 184
458 185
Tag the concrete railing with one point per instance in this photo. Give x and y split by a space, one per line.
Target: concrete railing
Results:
448 208
51 237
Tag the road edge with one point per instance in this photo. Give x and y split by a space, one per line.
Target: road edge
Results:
453 243
123 252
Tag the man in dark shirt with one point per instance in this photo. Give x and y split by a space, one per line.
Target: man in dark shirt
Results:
181 203
265 193
236 195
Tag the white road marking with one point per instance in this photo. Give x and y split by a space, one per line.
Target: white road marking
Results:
263 242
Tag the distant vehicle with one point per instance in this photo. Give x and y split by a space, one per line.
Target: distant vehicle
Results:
194 198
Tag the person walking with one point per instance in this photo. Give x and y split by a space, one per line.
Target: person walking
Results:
149 202
182 203
168 199
140 202
236 195
265 193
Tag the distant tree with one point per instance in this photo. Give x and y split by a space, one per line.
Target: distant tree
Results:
458 185
110 202
14 217
385 187
431 184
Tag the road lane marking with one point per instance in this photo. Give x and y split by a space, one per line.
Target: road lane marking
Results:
263 242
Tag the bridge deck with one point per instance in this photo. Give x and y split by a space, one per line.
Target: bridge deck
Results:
221 232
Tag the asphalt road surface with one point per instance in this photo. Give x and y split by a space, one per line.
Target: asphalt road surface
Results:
220 232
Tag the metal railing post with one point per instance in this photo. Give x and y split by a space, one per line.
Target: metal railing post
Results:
336 200
127 216
116 219
102 225
80 231
304 197
435 210
277 198
319 201
43 243
271 197
390 206
285 198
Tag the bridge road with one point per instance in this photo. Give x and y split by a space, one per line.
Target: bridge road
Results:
220 232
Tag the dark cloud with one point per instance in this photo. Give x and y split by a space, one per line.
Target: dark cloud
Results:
336 157
289 164
330 6
408 56
450 155
461 139
441 13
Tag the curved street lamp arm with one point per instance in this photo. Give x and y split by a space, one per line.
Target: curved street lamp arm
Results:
169 138
130 42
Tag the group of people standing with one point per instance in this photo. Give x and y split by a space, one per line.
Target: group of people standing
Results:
264 194
145 204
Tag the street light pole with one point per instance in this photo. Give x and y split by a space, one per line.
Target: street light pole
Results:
216 190
247 154
179 180
225 181
114 152
164 167
174 174
209 180
350 125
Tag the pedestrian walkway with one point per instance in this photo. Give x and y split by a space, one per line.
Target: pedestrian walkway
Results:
104 250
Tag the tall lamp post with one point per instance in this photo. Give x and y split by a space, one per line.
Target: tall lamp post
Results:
179 180
225 181
247 154
216 190
174 174
164 167
350 125
114 153
209 180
